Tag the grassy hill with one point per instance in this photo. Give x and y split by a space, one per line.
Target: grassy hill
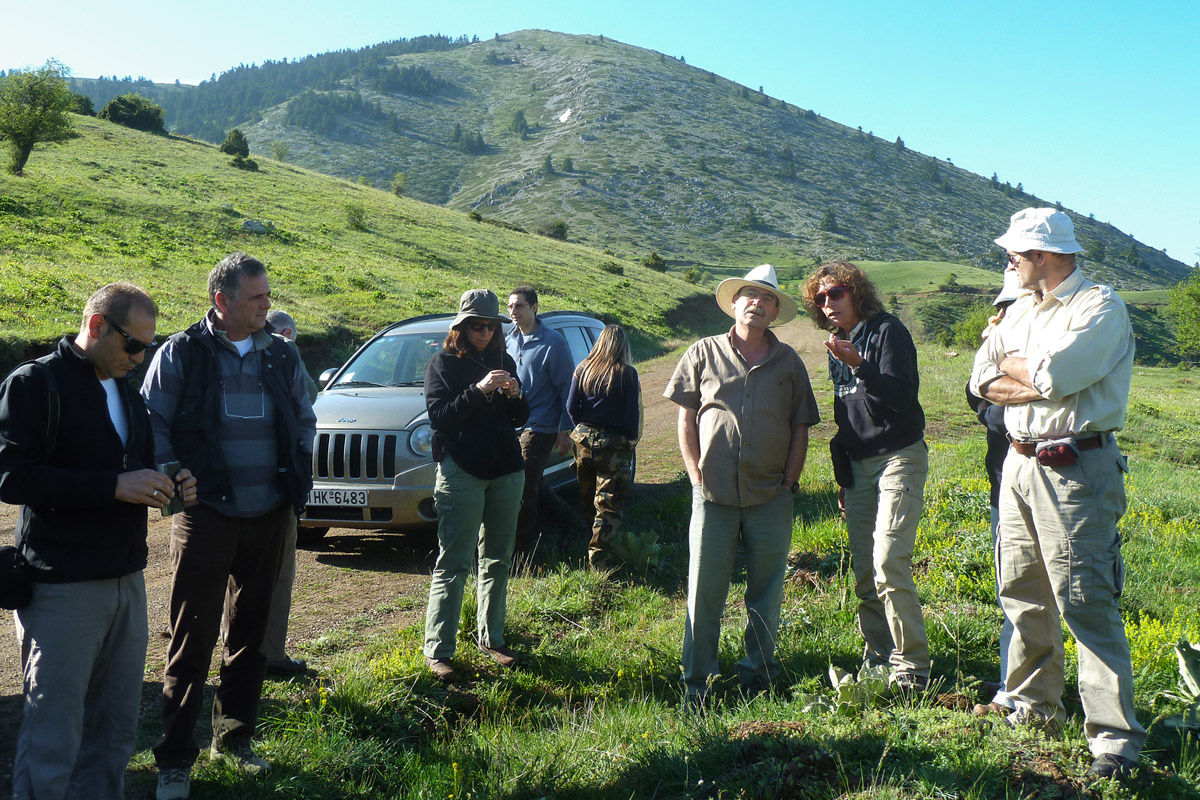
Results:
663 156
161 211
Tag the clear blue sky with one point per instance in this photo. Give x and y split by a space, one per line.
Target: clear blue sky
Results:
1092 104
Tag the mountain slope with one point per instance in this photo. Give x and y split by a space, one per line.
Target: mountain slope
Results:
667 157
345 259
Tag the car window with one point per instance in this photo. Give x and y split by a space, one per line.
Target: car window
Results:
580 345
397 360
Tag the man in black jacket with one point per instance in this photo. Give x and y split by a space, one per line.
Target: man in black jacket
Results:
77 455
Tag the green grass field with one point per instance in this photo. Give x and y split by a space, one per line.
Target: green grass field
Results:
121 204
596 713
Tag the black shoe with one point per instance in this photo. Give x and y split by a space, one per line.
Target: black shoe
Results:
1111 765
288 667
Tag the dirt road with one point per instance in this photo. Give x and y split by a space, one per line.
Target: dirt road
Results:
351 575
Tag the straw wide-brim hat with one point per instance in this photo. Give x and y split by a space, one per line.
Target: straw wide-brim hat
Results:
761 277
1045 229
481 303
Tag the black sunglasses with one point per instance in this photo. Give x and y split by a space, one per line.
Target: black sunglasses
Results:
834 293
132 346
478 325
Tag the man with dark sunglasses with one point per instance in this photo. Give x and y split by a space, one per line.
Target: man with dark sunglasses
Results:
77 454
227 400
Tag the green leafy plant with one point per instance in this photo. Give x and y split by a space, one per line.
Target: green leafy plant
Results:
852 694
1189 687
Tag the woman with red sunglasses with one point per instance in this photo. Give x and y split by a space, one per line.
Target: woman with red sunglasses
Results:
880 461
475 405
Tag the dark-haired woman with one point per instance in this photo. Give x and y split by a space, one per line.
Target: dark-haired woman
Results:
474 402
880 460
603 405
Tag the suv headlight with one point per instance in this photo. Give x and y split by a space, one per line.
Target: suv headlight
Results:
420 441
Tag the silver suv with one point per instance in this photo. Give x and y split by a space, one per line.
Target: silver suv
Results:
371 457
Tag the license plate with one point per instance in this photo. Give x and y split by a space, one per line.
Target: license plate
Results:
337 497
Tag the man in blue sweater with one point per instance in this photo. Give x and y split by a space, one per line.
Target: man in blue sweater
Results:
544 367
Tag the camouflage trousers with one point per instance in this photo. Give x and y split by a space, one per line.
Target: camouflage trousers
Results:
603 464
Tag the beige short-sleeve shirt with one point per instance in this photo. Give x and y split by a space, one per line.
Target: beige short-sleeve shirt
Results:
745 415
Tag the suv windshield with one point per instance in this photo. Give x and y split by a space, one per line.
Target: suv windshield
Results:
392 360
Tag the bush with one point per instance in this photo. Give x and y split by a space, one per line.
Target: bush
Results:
135 111
82 104
235 144
655 262
965 335
356 216
241 162
613 268
555 229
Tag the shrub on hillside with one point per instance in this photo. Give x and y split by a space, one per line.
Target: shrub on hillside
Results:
655 262
82 104
356 216
236 144
135 111
554 229
241 162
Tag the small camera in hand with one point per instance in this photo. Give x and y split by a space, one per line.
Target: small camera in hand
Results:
171 469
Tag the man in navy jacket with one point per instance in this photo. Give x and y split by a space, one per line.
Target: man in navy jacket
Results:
77 455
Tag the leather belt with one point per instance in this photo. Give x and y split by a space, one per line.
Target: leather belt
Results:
1029 448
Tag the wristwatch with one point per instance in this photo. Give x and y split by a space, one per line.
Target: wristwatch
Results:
795 487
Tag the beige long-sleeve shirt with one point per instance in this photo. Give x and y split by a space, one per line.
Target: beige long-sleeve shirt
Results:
1078 345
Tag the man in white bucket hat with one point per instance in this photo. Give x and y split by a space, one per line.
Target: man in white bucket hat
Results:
745 406
1061 365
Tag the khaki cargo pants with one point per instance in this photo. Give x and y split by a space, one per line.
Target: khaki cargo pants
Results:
1060 553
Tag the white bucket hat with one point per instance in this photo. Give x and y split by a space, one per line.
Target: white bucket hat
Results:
761 277
1011 289
1045 229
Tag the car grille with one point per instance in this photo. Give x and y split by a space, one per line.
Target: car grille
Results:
355 455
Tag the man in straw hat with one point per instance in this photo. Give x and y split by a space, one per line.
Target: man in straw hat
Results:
1061 365
745 406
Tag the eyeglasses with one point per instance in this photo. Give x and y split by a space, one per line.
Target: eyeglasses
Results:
751 293
1013 258
478 325
514 306
834 293
132 346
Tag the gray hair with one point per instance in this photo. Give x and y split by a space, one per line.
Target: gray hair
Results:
226 277
116 300
281 319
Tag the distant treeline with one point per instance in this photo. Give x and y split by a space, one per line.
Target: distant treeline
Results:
322 112
209 110
414 81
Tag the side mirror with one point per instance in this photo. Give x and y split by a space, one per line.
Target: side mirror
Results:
326 376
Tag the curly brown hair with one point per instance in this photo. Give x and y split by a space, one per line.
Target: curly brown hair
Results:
866 298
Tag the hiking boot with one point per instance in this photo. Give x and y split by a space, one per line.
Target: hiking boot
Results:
908 682
1111 765
981 710
1024 718
502 655
240 757
441 668
174 783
